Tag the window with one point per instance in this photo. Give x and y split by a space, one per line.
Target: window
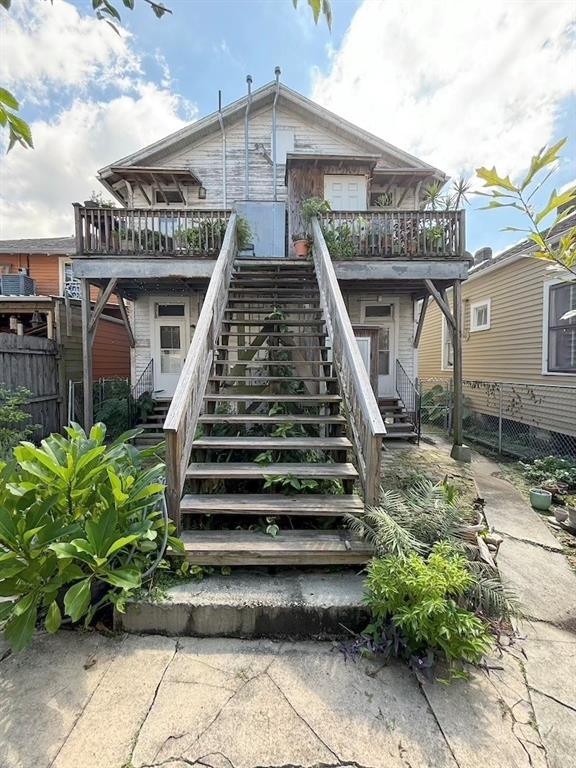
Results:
168 196
447 347
559 333
378 310
169 310
284 143
480 315
71 283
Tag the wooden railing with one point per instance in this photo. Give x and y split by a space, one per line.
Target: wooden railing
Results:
366 424
182 417
149 231
394 234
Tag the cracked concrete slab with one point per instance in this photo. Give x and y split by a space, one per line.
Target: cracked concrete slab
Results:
550 661
43 692
542 580
557 726
488 719
507 512
105 732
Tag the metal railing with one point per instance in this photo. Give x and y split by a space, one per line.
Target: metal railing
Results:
514 419
390 234
365 420
144 386
149 231
409 393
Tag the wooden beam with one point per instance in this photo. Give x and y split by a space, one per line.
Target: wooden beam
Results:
125 318
87 339
101 303
441 303
144 193
457 426
421 319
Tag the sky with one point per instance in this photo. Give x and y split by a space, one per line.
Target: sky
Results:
458 83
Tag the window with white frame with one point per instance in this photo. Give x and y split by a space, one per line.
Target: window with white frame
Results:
71 283
559 330
480 315
447 347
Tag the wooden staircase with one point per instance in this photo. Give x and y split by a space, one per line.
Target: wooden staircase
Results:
268 470
399 423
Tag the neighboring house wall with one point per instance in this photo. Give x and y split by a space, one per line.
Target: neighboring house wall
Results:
511 350
43 269
111 351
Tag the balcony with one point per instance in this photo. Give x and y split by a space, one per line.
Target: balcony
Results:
391 234
149 232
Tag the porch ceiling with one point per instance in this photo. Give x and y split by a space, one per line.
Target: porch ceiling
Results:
132 289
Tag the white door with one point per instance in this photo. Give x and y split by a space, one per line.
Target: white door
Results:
170 347
386 360
364 347
345 192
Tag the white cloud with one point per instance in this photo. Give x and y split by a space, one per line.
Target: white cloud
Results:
458 84
38 186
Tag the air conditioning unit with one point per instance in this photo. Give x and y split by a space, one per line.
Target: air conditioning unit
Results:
17 285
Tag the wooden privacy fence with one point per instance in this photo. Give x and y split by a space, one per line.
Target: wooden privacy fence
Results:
34 363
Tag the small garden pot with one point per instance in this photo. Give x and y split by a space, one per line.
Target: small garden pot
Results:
301 248
540 499
561 515
571 511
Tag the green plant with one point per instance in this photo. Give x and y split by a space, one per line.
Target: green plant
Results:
551 469
417 602
340 241
313 207
14 420
243 233
81 526
115 413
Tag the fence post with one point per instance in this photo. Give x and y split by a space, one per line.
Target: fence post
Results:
500 421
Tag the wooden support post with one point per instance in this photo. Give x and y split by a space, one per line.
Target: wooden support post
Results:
87 339
101 303
126 319
459 451
441 303
421 319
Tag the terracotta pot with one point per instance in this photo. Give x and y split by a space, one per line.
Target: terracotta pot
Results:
301 248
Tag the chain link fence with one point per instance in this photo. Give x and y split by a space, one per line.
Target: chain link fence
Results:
519 420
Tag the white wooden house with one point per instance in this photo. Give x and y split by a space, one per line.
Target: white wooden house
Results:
201 307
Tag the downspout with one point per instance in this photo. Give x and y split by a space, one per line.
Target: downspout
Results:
277 73
246 116
221 121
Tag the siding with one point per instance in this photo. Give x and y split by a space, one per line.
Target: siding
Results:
42 268
111 351
511 350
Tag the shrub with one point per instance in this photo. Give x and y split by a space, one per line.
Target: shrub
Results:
81 525
415 607
551 469
14 420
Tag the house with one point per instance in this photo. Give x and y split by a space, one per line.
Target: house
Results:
256 354
39 296
519 355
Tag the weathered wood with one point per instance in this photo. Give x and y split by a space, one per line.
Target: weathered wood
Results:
274 443
182 417
126 319
270 504
287 548
87 342
249 470
366 424
101 303
305 400
457 423
281 418
444 308
421 319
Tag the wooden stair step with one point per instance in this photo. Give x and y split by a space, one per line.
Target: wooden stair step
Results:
288 292
261 443
278 261
303 399
267 312
252 471
254 362
281 418
292 547
263 377
281 348
275 303
274 334
275 321
270 504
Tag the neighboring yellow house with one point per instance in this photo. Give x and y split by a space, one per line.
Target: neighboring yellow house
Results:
514 336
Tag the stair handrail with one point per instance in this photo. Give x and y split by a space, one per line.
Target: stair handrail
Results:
182 417
144 384
409 393
364 417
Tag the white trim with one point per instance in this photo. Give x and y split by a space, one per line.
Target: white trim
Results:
474 326
545 316
443 363
385 322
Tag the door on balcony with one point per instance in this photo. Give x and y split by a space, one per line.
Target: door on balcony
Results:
170 344
346 192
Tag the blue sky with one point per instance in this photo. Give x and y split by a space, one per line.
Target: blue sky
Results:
457 84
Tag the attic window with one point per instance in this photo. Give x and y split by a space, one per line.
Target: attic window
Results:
169 196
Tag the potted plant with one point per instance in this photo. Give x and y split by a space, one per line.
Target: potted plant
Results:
540 499
301 244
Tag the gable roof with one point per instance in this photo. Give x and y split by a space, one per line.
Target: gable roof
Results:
261 98
41 245
523 248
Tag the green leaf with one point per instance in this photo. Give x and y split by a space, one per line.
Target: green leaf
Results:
53 618
77 599
554 202
492 179
20 628
546 156
122 542
7 98
125 578
100 532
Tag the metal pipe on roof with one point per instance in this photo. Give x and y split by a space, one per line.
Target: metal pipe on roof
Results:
246 134
221 121
276 95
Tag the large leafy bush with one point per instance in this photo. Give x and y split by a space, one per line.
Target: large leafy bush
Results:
15 422
81 525
551 469
416 607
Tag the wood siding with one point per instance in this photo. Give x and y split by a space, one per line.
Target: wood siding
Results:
43 269
111 351
511 349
